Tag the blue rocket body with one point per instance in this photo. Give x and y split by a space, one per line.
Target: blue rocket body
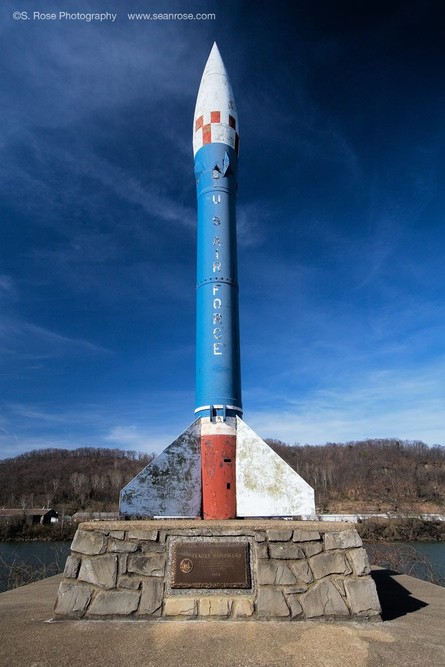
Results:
218 468
218 374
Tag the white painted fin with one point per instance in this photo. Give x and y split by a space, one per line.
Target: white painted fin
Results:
170 486
266 485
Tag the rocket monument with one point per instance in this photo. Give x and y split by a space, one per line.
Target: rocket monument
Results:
218 468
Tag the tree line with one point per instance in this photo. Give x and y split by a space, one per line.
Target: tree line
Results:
71 480
376 475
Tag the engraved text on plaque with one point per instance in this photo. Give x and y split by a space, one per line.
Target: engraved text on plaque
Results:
210 565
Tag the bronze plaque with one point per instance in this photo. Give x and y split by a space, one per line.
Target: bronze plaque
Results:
210 565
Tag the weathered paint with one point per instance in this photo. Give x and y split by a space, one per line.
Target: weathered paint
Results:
266 485
261 483
171 484
218 452
218 375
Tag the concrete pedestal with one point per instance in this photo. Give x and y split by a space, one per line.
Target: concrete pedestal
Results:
298 570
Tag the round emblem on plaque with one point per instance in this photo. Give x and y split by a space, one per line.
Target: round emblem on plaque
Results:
186 565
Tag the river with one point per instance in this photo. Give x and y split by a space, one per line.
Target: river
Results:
435 552
23 562
424 560
19 560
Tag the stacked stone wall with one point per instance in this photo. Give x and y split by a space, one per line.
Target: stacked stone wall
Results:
300 571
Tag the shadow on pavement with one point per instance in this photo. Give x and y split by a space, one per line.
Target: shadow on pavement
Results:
395 600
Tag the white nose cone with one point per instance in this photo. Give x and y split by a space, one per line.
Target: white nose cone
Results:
215 120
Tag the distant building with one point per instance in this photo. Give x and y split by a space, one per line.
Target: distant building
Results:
31 516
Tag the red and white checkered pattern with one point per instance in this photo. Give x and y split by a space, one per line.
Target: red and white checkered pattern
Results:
210 128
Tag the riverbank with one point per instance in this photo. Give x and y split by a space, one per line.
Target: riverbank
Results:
400 529
20 532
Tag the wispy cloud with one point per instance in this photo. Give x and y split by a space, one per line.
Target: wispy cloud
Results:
252 217
124 67
87 164
24 340
134 437
7 287
25 347
312 134
118 420
398 403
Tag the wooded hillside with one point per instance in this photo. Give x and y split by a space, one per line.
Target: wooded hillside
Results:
370 475
85 478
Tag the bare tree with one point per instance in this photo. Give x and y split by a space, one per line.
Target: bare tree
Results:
56 484
81 487
48 496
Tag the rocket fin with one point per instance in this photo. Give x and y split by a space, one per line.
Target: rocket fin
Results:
266 485
171 484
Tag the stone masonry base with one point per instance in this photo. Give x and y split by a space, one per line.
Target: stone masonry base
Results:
299 569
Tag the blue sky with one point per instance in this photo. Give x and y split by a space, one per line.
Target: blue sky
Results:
340 220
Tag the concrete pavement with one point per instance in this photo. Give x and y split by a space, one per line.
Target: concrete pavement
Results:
412 633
